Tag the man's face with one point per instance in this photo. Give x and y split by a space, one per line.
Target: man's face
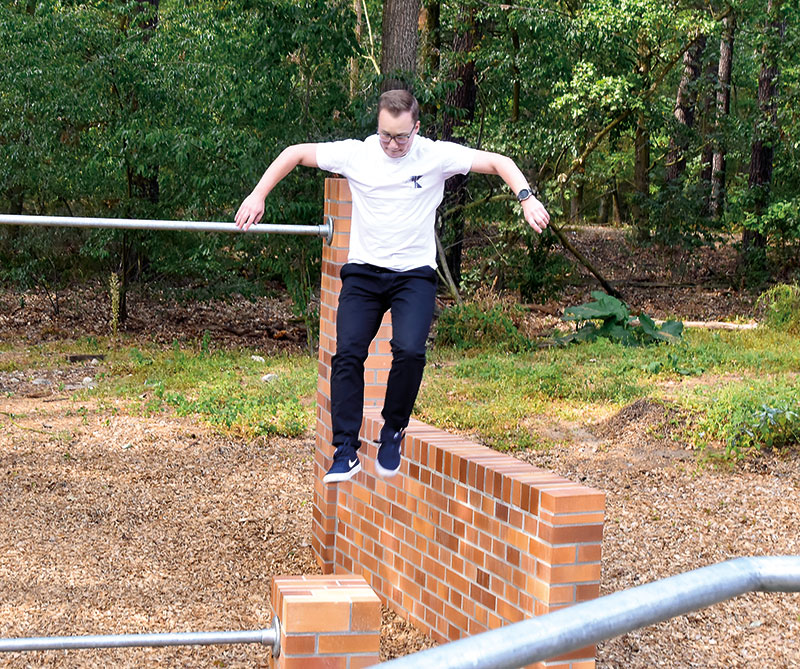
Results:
396 133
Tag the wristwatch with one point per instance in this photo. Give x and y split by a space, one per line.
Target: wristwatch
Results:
524 194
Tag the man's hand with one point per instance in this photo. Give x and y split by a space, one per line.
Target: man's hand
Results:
535 213
250 211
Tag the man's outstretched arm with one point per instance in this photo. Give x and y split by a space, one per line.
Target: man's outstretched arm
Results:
252 209
486 162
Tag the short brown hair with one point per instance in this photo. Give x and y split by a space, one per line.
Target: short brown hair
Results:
398 101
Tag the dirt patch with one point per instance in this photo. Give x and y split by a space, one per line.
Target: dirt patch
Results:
84 311
665 515
117 524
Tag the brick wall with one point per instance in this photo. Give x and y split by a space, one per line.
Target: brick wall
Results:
326 622
463 539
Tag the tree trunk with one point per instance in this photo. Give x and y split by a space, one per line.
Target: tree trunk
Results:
355 68
576 202
685 104
463 98
602 209
618 210
641 169
754 242
432 37
400 38
430 60
143 187
707 127
718 162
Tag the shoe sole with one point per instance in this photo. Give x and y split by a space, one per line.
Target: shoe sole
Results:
383 472
344 476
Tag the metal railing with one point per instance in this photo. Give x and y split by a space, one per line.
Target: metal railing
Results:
325 230
266 637
585 624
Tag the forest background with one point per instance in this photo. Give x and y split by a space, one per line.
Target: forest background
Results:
677 118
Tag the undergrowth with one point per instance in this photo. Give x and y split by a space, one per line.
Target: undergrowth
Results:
740 390
230 389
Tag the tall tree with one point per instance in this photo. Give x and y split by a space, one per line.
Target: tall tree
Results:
719 159
142 176
400 39
685 107
762 151
459 110
641 144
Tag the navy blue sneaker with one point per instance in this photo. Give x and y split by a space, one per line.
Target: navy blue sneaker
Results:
345 465
388 461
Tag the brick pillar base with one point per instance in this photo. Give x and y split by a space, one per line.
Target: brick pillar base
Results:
327 622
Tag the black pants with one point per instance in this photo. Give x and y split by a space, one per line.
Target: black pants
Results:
367 293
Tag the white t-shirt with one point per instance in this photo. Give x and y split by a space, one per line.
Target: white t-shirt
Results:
394 199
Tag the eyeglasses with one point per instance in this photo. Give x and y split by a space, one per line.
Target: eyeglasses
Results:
401 140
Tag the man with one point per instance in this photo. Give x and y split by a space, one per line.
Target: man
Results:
397 180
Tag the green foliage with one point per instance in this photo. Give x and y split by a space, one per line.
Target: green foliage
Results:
106 113
781 308
223 388
481 325
768 427
616 323
521 260
747 416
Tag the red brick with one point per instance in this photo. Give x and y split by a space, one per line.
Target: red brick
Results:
329 662
579 534
590 553
349 643
299 644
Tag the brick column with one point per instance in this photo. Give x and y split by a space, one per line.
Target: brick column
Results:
326 622
338 205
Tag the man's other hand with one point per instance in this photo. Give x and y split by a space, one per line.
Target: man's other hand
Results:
535 214
250 211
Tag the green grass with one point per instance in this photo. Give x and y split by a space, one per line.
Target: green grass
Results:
224 387
494 396
738 389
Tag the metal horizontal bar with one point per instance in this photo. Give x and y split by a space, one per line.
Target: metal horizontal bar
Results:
265 637
584 624
325 230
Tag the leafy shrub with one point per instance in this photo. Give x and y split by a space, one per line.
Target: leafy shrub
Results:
617 324
781 308
766 427
481 324
748 416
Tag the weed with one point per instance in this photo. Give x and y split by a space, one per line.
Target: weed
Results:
747 416
486 323
616 323
781 308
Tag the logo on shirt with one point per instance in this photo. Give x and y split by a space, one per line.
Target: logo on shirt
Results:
415 181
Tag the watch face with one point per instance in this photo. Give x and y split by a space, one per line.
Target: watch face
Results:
524 194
